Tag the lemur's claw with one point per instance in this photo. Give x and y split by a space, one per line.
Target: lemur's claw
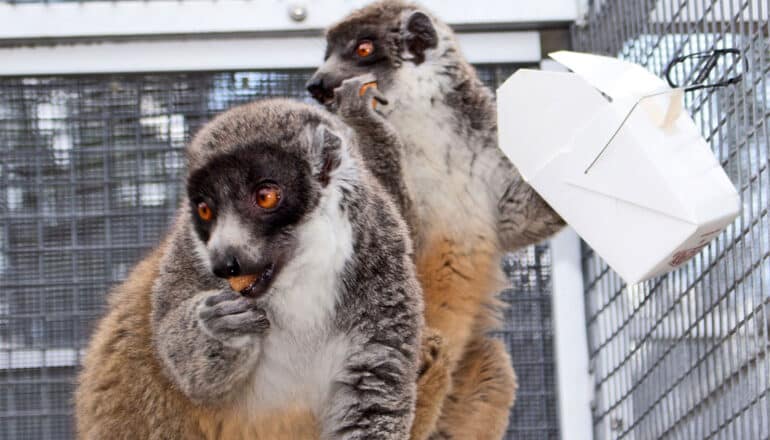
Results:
354 95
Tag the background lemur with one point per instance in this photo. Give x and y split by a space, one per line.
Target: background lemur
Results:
469 202
324 341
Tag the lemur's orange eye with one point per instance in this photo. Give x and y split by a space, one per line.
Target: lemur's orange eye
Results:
364 48
268 196
204 212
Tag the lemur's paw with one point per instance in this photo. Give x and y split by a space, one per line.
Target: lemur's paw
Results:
358 97
231 318
431 351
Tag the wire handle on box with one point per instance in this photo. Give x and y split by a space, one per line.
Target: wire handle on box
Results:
707 61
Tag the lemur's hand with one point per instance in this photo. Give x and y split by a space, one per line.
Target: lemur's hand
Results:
231 318
354 99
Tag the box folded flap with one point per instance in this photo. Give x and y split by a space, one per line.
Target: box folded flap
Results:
614 77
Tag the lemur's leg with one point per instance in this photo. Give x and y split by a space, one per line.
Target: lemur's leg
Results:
524 218
483 391
458 306
458 285
211 343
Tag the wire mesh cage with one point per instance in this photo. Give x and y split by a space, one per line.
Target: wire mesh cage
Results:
90 174
686 355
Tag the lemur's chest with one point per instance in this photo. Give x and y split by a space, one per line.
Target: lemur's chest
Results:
446 164
297 369
446 173
302 352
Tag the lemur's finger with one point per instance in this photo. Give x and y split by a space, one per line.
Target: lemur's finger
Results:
374 93
225 308
251 321
222 296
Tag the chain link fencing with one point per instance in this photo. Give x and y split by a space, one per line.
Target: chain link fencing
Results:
685 356
90 176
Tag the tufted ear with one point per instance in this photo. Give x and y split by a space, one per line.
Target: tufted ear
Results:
326 151
419 35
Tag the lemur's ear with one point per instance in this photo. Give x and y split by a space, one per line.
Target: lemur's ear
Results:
419 35
326 150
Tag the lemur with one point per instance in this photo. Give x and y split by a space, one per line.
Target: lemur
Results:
323 339
470 204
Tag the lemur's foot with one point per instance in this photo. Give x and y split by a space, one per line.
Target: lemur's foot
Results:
355 97
433 384
431 350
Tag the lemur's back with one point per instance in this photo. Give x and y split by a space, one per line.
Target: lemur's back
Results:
120 367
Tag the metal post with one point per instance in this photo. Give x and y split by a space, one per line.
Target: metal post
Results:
573 376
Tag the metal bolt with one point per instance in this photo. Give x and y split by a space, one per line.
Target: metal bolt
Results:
298 12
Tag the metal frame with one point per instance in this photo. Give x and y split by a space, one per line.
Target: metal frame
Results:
228 54
205 35
108 19
574 381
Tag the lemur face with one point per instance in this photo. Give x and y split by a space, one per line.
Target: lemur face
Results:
248 201
377 40
245 205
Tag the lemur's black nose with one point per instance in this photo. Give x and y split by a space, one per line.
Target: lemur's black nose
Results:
316 89
227 266
319 89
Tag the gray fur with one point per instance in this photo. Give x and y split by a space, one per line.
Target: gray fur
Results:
453 100
212 340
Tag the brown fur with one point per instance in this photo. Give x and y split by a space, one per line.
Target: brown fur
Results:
122 382
459 287
124 394
295 423
433 381
459 240
483 390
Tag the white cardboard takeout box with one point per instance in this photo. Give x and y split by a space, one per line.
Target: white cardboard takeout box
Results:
654 197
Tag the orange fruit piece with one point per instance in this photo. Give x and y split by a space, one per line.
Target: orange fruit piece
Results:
241 282
366 87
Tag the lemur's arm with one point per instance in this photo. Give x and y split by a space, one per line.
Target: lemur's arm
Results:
379 142
208 340
375 398
524 218
376 386
208 344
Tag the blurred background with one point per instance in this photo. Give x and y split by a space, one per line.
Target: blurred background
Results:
98 98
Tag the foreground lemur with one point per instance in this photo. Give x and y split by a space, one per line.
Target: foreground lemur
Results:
470 204
322 341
